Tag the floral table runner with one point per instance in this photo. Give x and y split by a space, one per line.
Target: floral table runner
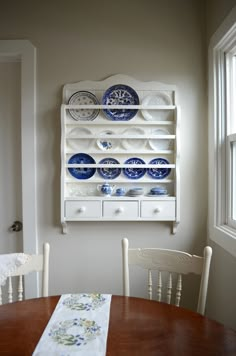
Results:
78 326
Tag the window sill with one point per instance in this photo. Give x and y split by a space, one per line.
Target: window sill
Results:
225 237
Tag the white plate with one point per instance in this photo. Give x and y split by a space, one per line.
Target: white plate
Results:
107 144
160 144
133 143
79 143
83 98
160 98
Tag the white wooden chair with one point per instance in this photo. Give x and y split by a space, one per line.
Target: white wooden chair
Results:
171 261
35 263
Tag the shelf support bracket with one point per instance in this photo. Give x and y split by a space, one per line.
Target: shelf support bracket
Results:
174 227
64 227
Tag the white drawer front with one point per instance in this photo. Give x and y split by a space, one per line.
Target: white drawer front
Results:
160 210
83 209
124 210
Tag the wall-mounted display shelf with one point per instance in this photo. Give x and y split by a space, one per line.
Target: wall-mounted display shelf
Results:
119 151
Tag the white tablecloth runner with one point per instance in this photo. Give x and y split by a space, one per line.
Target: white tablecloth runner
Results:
9 263
78 326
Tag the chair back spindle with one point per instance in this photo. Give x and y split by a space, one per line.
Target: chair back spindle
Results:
159 286
169 289
34 263
150 284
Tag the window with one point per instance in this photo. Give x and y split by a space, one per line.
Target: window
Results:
222 135
230 79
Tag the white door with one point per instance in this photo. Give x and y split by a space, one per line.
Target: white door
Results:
10 156
22 173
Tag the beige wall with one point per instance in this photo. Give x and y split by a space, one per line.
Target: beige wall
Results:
222 288
146 39
216 11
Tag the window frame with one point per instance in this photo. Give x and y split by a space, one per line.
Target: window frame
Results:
231 170
221 229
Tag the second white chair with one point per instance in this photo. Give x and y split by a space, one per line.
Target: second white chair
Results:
37 263
171 261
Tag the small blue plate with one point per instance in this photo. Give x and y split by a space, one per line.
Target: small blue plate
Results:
159 173
134 172
82 173
120 94
109 173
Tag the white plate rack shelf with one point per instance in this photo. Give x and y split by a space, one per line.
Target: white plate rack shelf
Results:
120 151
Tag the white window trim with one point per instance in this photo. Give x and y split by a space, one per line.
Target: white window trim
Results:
218 229
231 148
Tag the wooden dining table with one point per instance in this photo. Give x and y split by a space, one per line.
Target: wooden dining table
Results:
136 327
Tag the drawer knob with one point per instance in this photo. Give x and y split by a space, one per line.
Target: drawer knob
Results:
119 210
81 209
157 210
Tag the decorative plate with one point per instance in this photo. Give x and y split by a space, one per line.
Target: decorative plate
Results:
83 98
107 144
159 144
109 173
120 95
160 98
133 143
134 172
82 172
80 143
159 173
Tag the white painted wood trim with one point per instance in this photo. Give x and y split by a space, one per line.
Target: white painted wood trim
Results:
218 231
25 52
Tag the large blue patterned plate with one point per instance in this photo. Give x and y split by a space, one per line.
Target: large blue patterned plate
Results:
159 173
134 172
82 172
120 94
109 173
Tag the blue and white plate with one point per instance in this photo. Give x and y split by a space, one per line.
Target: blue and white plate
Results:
106 143
159 173
83 98
82 172
120 94
109 173
134 172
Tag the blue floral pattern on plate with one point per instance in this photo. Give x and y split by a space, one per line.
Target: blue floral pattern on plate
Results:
81 172
108 172
134 172
159 173
106 144
120 94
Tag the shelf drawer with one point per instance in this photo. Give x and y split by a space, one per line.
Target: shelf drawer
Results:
160 210
83 209
124 210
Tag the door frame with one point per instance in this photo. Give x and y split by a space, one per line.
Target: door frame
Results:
24 52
